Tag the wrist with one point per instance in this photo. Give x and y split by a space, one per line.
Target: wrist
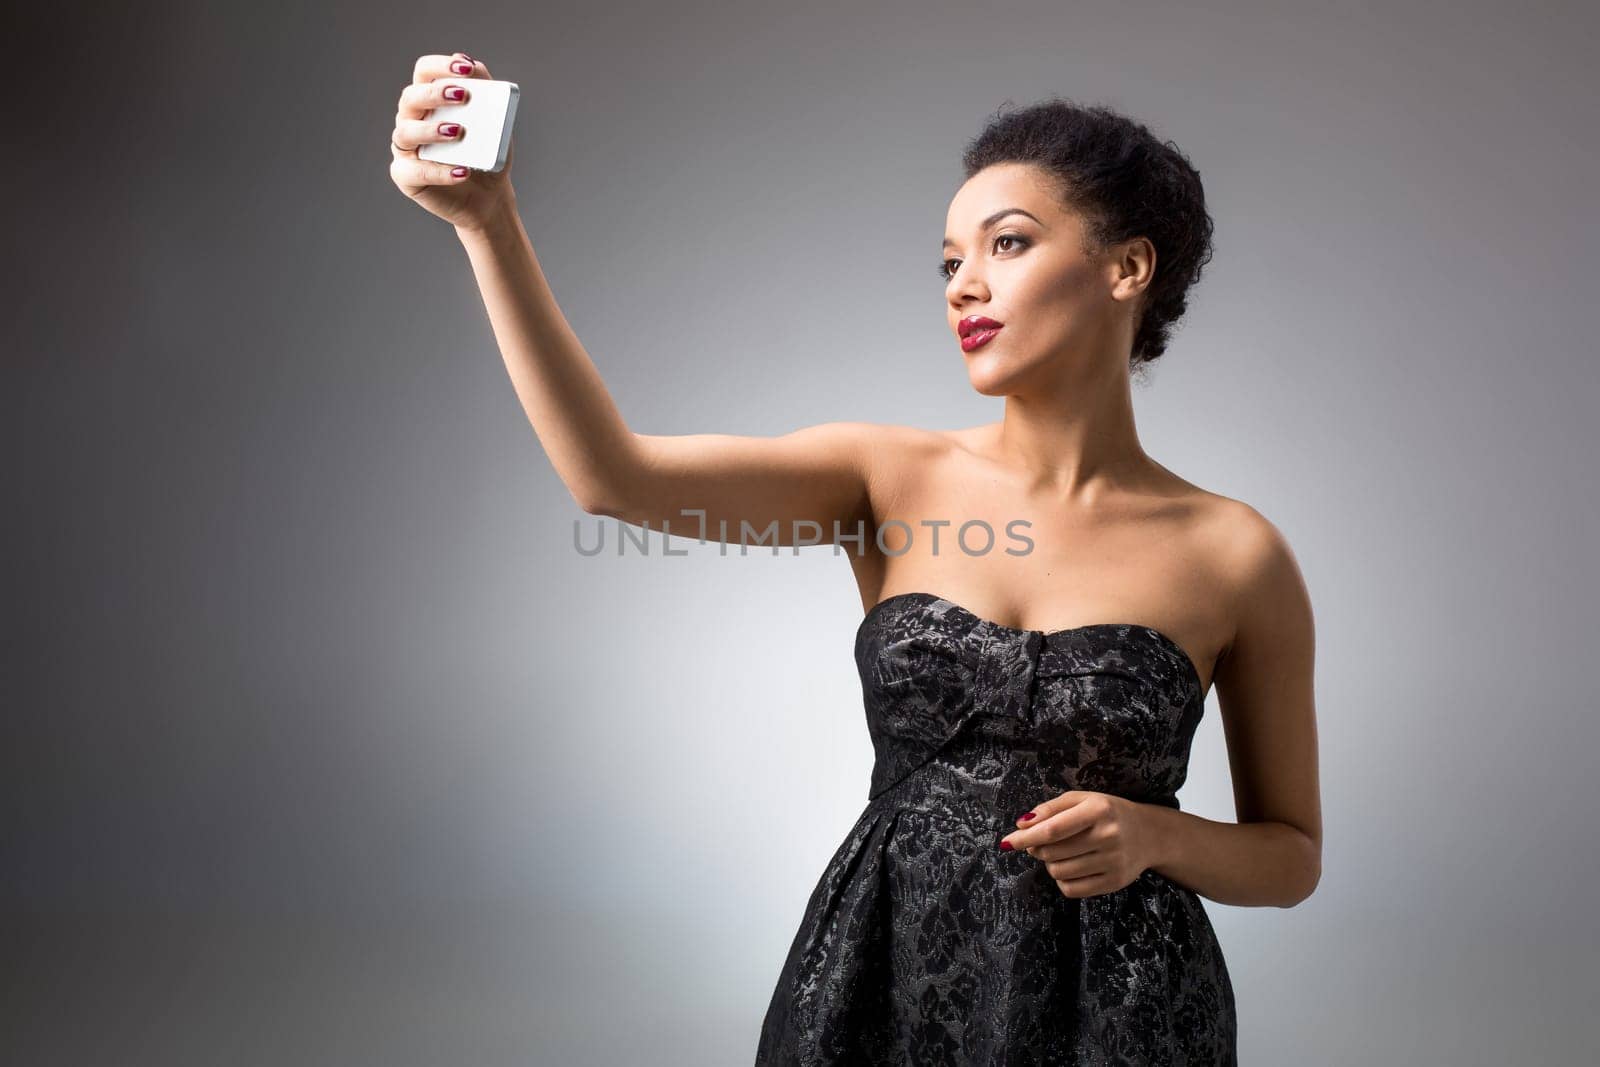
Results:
1161 836
499 221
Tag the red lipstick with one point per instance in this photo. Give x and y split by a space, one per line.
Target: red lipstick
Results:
976 331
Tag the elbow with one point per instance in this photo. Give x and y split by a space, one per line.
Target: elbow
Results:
613 490
1310 874
1302 893
598 496
596 504
607 493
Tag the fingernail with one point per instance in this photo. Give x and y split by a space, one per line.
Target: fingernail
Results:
461 68
1005 846
458 172
455 92
1025 818
449 129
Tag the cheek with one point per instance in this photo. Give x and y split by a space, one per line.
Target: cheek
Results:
1076 300
1057 306
1060 290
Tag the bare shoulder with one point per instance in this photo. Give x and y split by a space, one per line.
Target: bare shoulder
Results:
873 449
1236 529
1258 567
903 459
899 451
919 441
887 438
1248 541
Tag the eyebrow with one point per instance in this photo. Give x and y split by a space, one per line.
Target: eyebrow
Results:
996 217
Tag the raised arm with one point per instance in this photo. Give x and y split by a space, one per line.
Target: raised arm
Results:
818 474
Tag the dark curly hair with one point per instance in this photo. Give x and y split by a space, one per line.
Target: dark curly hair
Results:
1125 182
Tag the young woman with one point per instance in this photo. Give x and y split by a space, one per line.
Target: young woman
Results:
1022 887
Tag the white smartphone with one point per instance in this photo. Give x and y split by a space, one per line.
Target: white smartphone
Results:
487 116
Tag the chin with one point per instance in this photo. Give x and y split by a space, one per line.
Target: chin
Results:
992 377
989 385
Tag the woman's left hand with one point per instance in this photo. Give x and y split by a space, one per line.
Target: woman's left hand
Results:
1091 843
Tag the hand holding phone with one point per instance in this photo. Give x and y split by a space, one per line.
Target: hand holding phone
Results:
486 119
458 170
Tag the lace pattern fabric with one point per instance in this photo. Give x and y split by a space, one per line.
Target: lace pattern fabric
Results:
923 943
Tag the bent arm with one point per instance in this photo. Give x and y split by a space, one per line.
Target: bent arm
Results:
760 490
1273 855
818 474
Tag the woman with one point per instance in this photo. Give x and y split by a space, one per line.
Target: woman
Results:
1022 886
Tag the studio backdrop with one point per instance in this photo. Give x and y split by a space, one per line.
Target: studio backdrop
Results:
324 742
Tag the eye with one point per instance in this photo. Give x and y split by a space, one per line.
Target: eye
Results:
947 272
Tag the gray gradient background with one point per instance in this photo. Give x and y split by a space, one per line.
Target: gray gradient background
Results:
323 745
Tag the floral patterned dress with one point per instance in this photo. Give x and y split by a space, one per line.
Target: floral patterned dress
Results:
923 942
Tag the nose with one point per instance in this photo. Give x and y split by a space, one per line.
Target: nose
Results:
967 287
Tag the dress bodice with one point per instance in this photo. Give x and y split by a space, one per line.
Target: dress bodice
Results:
1006 718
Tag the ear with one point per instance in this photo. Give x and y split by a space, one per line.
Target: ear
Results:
1132 264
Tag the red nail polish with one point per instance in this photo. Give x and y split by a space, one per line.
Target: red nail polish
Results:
1005 846
455 92
1025 818
458 172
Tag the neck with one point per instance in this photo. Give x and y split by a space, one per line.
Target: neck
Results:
1077 442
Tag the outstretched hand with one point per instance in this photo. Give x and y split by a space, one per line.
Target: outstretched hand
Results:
470 198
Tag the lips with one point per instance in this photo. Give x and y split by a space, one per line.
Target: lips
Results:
973 323
974 341
976 331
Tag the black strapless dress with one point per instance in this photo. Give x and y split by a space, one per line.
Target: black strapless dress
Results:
924 943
